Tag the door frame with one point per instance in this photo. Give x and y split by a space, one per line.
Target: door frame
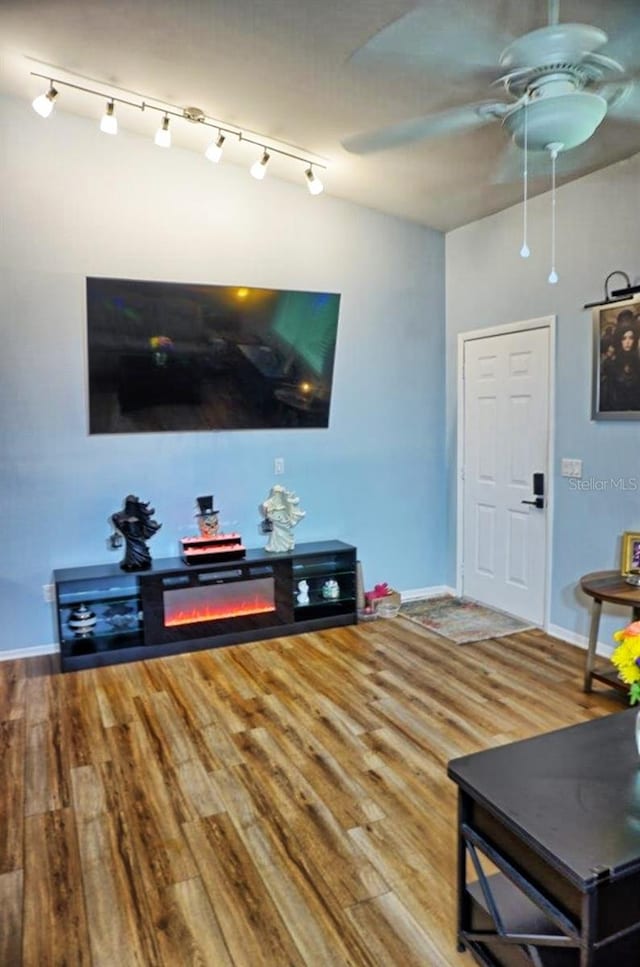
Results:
542 322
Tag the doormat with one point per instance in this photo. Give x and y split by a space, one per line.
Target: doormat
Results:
459 620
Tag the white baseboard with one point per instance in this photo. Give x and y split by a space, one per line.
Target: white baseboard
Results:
31 651
571 637
432 592
580 641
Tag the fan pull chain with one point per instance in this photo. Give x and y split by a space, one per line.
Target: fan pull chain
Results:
525 251
553 149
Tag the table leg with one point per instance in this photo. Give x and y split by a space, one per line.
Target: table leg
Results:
596 608
464 902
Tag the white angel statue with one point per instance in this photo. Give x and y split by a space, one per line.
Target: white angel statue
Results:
282 513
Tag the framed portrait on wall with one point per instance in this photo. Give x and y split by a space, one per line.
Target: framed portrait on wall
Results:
616 361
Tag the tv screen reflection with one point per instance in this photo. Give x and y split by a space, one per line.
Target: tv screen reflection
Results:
175 356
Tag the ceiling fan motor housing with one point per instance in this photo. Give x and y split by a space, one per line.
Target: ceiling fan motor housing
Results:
559 110
554 44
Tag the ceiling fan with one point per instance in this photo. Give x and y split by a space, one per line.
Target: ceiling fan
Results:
557 87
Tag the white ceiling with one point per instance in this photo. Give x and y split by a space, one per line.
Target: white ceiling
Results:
283 68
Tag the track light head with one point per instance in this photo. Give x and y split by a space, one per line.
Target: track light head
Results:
109 122
259 168
163 134
45 103
214 151
314 184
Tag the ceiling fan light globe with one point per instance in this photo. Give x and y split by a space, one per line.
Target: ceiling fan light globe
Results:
567 119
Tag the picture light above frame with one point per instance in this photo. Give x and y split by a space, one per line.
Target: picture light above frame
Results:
617 295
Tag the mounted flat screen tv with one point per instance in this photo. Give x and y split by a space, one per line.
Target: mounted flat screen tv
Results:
177 356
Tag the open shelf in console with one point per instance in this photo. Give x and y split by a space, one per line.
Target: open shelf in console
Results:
174 607
101 612
324 585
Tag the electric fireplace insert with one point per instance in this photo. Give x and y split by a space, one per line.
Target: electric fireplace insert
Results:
199 604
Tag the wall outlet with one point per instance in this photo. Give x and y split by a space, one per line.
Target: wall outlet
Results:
278 466
48 593
571 467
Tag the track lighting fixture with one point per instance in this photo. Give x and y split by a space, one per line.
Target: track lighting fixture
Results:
314 184
163 134
259 168
194 115
109 122
45 103
214 151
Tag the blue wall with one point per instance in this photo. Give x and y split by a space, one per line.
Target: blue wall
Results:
79 203
489 284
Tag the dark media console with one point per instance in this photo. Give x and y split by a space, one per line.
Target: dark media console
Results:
107 616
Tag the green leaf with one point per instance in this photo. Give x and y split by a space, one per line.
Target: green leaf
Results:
634 693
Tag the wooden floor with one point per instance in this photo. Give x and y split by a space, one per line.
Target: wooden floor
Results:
282 802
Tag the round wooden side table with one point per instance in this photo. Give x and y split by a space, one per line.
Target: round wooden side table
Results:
607 586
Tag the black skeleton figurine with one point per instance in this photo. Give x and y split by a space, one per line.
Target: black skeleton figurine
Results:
136 526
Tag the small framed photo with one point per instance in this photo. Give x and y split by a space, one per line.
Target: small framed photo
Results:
616 361
630 562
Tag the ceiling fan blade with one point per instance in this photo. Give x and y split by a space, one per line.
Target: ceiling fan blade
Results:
621 21
447 36
626 106
453 121
510 169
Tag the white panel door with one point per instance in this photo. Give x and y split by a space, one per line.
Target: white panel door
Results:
506 427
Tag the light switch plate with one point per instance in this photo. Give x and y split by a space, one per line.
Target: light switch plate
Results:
571 467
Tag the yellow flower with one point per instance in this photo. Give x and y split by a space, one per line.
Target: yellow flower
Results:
625 657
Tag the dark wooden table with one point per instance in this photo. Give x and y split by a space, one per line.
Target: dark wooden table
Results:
606 586
559 816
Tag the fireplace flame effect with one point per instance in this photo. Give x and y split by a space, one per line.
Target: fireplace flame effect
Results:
212 612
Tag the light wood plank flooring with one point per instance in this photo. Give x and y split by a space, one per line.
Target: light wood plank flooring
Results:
276 803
